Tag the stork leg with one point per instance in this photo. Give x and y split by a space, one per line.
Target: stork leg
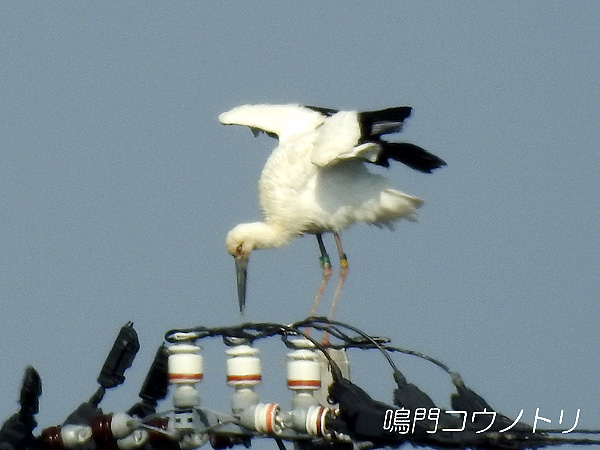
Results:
338 290
326 266
343 273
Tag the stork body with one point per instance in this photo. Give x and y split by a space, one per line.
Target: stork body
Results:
317 181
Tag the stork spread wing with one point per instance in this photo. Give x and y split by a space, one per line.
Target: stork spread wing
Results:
339 135
357 135
275 120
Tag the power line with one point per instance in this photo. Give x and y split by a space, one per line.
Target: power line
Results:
337 416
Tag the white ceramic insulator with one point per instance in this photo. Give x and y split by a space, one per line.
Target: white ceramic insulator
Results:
122 425
302 343
266 418
242 399
315 421
186 396
243 366
193 441
303 370
74 436
185 364
134 440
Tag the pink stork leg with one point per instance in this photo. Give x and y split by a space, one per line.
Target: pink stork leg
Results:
343 273
326 266
338 290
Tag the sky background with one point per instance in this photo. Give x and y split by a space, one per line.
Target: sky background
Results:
118 186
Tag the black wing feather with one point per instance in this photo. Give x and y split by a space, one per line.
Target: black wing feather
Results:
374 124
412 155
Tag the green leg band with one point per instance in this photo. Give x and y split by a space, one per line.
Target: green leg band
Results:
325 261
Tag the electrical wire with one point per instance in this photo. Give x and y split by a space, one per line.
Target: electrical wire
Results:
16 433
250 332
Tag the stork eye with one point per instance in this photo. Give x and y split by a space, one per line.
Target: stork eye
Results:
238 250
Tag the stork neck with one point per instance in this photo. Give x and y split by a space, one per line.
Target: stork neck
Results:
267 235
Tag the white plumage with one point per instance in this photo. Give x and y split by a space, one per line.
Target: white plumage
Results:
316 180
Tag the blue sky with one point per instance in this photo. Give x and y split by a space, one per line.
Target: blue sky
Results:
118 186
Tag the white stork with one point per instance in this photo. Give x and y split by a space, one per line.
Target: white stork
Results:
316 180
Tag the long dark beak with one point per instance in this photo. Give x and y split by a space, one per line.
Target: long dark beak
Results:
241 273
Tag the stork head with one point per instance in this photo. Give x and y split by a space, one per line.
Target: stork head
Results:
246 237
240 248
